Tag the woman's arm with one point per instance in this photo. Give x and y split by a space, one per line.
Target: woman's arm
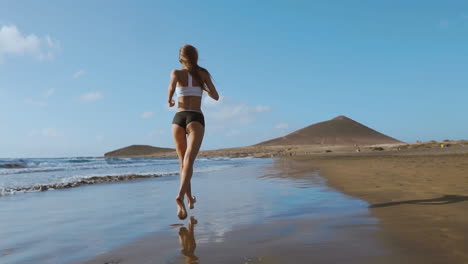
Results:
212 92
172 87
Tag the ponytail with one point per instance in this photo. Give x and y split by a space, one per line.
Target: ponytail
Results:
188 55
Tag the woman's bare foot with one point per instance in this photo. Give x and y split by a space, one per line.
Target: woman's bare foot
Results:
181 211
191 201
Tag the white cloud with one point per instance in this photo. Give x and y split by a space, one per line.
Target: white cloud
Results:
443 23
31 101
53 46
78 74
49 132
262 108
91 96
170 109
453 21
209 102
146 115
156 133
40 100
232 133
33 133
229 112
13 42
48 93
45 132
235 112
282 125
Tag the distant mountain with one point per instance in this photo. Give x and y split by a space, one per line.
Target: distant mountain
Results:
337 131
137 150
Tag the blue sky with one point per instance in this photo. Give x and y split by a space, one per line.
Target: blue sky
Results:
81 78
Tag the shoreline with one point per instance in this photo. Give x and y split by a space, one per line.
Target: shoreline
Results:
446 146
311 223
420 197
412 208
417 222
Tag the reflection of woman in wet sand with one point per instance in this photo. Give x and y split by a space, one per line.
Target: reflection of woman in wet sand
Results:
188 125
187 241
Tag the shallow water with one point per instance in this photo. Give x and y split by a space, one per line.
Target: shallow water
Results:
65 226
36 174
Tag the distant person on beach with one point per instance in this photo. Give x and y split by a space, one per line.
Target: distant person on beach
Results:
188 125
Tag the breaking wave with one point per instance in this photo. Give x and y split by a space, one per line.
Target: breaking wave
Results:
80 182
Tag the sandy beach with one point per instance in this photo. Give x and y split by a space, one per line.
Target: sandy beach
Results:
418 198
375 207
305 222
421 197
248 211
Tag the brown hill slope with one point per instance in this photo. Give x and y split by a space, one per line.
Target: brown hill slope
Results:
338 131
137 150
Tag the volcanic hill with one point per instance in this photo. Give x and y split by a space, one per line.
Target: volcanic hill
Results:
137 150
340 130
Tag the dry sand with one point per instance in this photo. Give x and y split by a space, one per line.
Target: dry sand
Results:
450 146
420 196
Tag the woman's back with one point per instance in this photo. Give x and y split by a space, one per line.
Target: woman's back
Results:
189 91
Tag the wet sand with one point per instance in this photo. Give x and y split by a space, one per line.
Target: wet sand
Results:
413 210
303 221
420 196
280 241
257 211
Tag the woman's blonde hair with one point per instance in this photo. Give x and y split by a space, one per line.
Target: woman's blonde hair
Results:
188 56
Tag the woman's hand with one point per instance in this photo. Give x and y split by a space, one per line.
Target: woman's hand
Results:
171 103
171 89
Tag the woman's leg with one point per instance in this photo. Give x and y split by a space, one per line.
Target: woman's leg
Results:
195 132
180 140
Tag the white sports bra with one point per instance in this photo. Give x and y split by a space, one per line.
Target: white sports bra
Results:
189 90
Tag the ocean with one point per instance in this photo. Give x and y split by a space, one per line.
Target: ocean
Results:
41 174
